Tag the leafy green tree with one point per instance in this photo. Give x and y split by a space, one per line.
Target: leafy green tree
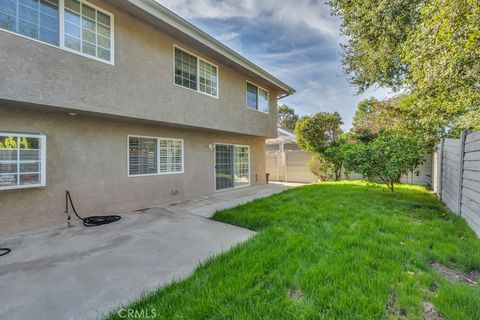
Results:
428 49
321 167
376 31
316 133
287 118
387 157
443 54
395 114
321 134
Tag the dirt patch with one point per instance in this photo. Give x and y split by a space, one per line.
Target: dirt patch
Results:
470 278
430 313
295 294
392 305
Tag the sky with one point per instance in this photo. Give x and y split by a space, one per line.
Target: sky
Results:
298 41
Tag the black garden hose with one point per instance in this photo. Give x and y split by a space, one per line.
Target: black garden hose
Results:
4 251
89 221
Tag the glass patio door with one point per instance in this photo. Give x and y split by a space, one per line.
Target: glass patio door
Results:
224 166
232 166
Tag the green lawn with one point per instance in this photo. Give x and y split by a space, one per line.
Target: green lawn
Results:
348 250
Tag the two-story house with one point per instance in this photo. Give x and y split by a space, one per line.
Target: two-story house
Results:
126 105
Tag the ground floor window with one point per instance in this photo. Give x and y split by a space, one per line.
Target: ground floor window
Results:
232 166
22 160
153 156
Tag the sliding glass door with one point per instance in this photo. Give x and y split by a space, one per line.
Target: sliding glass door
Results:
232 166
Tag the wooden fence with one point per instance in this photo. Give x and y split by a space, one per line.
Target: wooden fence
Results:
456 176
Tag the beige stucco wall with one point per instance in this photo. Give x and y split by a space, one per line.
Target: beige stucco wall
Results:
88 156
139 85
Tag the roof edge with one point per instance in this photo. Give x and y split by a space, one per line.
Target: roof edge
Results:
160 12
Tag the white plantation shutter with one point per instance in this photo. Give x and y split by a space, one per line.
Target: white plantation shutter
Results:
150 156
171 156
142 156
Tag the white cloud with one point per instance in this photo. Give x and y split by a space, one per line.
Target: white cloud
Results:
309 13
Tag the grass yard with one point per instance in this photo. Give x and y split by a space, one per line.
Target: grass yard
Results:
348 250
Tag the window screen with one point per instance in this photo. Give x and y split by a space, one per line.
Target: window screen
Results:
87 30
208 78
171 153
142 156
37 19
257 98
251 96
185 69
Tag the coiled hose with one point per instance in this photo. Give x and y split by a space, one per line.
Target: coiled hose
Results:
89 221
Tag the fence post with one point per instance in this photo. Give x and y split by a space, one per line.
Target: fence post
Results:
460 171
440 170
286 166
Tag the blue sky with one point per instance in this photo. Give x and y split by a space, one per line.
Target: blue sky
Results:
297 41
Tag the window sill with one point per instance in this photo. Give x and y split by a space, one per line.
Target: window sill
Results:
64 49
32 186
197 91
154 174
257 110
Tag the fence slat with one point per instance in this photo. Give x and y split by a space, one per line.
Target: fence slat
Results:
473 137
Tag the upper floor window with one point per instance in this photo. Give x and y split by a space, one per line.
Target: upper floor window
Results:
257 98
22 160
195 73
87 29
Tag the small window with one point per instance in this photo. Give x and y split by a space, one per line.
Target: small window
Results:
257 98
22 160
208 78
185 69
154 156
87 30
194 73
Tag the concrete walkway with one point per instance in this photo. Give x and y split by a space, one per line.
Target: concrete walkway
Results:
83 273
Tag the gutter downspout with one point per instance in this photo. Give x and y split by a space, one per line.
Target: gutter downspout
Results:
286 95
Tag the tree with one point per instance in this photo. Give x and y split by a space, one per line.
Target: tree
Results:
387 157
443 54
316 133
376 31
395 114
321 134
321 167
287 119
429 49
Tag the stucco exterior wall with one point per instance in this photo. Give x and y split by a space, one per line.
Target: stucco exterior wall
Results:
139 85
88 156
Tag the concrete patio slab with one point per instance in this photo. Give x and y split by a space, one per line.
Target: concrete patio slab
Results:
206 206
83 273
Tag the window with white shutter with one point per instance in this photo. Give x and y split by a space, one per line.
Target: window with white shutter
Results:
154 156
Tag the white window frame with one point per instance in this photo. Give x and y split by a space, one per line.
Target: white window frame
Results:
43 160
61 31
215 165
158 173
198 72
258 95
